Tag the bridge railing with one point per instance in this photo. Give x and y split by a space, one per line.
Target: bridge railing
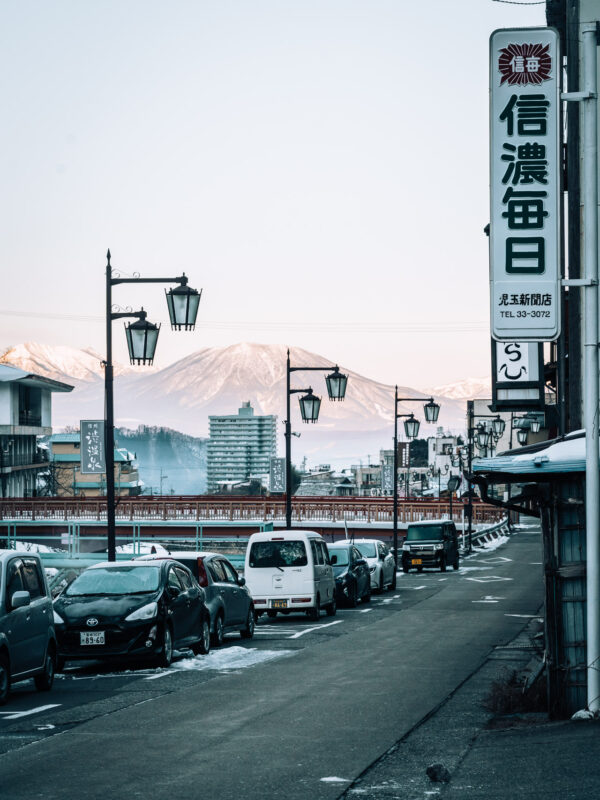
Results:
243 509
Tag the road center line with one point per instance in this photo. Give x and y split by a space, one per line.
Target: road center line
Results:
317 628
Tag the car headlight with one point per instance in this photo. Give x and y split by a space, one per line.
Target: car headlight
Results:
148 611
406 547
439 546
58 620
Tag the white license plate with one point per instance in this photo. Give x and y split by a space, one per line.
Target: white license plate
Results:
97 637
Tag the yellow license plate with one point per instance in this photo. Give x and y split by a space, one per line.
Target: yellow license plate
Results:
279 604
417 561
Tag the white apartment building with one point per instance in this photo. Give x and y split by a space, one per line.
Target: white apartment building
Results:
240 447
25 414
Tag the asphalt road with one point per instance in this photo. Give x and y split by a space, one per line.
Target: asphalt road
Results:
326 700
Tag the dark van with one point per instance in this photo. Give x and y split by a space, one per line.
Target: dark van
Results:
430 544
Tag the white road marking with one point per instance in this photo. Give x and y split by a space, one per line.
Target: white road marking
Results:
335 780
316 628
396 597
497 560
158 675
19 714
366 610
488 579
524 616
484 601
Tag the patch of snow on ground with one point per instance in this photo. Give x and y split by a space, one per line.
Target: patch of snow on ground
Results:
145 548
229 658
335 780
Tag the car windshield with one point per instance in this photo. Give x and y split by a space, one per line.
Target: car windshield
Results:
278 554
342 555
367 549
419 533
115 580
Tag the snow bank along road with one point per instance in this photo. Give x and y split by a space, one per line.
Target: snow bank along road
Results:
298 712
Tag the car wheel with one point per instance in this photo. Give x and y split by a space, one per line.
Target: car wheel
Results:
219 633
4 679
315 612
352 596
271 613
331 609
455 565
381 588
166 653
442 563
248 631
202 646
43 681
419 569
59 664
404 569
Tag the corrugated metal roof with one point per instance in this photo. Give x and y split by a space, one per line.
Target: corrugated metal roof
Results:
559 456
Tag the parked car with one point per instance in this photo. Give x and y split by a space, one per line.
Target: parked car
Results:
133 609
430 544
226 595
351 572
289 571
27 637
382 566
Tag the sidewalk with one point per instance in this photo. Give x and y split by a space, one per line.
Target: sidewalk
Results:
489 757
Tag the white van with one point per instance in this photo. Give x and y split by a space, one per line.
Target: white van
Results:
289 571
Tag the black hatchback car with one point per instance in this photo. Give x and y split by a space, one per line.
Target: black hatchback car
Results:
351 573
132 609
430 544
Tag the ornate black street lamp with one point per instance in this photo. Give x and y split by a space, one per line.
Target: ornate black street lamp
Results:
411 429
142 337
310 405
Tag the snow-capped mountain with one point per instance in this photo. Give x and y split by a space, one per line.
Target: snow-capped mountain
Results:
469 389
216 380
59 362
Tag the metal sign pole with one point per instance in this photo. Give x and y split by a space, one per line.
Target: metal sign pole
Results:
592 475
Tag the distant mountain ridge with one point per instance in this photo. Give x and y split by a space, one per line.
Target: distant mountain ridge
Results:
216 380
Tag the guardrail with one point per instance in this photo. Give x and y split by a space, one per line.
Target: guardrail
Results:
240 509
487 535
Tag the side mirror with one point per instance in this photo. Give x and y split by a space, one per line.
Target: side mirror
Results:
241 581
174 591
20 599
333 560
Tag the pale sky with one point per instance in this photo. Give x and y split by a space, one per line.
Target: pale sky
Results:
318 167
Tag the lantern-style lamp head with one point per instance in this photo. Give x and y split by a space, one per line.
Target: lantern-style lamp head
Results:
183 303
142 336
432 411
309 407
336 384
484 438
453 483
411 427
498 425
535 425
522 436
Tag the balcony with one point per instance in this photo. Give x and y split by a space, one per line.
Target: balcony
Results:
30 418
8 461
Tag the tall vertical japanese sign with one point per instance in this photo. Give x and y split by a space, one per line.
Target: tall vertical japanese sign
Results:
277 475
525 184
92 446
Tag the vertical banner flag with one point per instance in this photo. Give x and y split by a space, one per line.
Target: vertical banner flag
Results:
525 184
92 446
387 478
277 476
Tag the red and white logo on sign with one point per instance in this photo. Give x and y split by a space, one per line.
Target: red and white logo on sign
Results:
521 64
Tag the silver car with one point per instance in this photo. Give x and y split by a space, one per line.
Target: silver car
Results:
27 637
381 563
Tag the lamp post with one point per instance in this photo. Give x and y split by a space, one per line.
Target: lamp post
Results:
453 484
310 405
142 336
411 430
497 429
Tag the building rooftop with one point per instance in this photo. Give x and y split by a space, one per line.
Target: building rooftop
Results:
10 374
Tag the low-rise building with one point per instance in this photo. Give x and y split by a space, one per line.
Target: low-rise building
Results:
25 415
68 480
